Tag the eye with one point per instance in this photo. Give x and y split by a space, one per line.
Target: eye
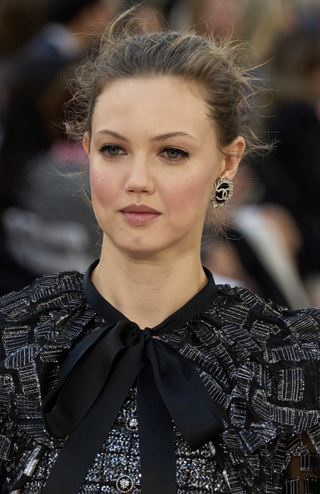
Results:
111 150
174 154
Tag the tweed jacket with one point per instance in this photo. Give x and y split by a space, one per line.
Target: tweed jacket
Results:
259 362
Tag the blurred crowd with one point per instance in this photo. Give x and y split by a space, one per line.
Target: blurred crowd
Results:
272 239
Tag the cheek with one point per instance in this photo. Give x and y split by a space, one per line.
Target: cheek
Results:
102 188
191 196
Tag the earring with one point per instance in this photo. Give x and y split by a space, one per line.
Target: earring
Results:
222 192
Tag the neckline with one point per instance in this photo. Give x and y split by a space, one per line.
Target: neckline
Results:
198 303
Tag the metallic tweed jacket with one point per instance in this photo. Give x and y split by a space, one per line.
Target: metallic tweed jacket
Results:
259 363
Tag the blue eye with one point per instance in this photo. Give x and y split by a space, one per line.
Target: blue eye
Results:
111 150
175 153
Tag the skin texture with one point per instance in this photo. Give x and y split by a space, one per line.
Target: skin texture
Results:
152 144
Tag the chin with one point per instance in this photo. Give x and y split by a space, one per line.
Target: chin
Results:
147 246
142 252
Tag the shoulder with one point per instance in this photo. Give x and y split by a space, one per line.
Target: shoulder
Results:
38 327
53 291
44 317
238 318
266 353
241 305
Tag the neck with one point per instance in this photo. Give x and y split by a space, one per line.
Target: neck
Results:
147 291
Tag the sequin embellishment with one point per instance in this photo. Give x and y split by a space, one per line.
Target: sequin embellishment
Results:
124 484
132 424
259 362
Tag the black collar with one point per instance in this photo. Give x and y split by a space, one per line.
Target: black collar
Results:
187 312
95 379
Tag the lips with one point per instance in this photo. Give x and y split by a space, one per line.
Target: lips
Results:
139 214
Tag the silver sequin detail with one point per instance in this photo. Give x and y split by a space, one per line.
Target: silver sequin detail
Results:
119 458
124 484
259 362
132 424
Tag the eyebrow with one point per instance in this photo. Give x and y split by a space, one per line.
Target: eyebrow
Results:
163 137
112 134
159 138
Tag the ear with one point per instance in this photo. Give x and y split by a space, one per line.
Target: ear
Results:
86 143
232 155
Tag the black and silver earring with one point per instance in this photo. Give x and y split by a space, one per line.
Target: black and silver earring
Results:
222 192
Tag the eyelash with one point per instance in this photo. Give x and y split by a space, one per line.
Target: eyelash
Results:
183 154
107 147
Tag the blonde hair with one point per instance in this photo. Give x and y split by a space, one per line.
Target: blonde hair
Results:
228 89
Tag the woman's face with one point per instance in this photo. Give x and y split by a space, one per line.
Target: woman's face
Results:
153 162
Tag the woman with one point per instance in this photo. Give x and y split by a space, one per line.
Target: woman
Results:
209 388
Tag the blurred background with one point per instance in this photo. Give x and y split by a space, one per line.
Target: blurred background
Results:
272 241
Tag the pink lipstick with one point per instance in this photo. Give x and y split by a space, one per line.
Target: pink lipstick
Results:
139 214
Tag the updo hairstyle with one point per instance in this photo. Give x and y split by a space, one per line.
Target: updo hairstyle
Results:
227 88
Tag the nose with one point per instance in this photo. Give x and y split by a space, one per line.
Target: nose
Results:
139 178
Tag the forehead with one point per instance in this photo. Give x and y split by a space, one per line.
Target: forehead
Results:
161 101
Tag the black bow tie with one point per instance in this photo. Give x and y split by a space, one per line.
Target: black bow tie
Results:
93 383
